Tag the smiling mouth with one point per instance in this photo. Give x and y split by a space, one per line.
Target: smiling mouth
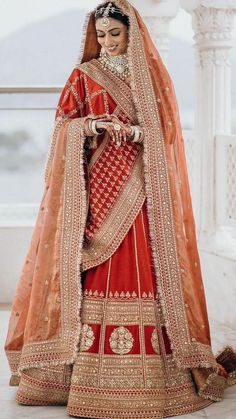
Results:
112 48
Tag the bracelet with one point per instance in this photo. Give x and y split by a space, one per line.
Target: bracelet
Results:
137 134
88 130
93 127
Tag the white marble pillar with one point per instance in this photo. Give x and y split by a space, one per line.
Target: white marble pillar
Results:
157 15
212 24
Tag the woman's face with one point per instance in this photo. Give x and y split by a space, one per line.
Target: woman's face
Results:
114 37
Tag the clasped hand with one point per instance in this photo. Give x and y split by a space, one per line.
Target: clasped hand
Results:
117 129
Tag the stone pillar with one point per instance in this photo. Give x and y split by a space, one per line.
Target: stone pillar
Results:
212 24
157 15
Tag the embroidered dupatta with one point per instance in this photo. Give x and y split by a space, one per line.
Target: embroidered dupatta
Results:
62 222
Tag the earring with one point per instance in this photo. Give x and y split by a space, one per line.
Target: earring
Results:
103 52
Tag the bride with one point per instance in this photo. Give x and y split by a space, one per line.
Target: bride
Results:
109 316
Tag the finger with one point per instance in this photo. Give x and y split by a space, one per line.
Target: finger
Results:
112 135
104 115
104 124
115 119
128 130
114 138
106 118
118 139
124 136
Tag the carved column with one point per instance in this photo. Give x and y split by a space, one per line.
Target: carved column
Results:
212 24
157 15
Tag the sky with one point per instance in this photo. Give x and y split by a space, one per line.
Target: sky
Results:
15 14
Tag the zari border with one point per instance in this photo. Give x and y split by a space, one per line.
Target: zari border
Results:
14 360
117 88
58 123
64 349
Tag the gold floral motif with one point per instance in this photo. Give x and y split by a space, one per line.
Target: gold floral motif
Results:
87 337
121 340
154 341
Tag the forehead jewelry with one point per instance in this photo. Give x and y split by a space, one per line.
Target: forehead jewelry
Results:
104 12
105 20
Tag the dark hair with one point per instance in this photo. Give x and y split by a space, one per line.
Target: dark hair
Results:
115 14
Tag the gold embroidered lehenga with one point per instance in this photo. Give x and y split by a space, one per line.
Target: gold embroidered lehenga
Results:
109 315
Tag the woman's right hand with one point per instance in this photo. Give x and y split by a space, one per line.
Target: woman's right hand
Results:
109 124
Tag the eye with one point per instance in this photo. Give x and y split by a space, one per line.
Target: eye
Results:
100 36
116 34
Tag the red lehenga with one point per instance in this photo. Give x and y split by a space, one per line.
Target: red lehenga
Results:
109 315
125 361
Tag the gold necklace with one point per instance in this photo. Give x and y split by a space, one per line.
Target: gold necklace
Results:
118 64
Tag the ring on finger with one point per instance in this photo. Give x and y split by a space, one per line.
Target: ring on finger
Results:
117 127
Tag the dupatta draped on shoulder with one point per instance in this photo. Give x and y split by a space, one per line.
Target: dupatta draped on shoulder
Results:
45 321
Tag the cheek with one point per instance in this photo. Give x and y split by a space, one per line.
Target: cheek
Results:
124 38
99 41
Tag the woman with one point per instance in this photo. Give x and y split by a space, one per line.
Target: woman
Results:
109 315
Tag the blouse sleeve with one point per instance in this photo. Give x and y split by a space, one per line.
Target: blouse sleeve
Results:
72 99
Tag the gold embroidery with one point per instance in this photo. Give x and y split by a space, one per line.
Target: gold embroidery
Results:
108 176
117 224
118 89
117 311
88 96
61 349
116 294
87 337
154 340
121 340
45 386
122 388
106 105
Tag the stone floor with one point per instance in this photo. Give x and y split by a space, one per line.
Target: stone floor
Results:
9 409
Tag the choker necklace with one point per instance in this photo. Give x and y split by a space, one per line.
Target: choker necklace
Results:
118 64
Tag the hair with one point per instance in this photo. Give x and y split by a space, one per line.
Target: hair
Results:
117 14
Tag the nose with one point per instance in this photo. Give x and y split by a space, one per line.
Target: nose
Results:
107 41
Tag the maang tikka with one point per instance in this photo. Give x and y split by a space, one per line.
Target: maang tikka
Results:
104 13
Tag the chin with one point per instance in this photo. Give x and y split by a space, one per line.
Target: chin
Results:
113 53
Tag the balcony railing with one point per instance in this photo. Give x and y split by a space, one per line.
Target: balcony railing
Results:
225 158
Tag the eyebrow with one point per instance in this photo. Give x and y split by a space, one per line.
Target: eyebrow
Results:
99 30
